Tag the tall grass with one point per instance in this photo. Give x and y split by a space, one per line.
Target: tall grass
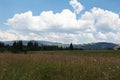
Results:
60 65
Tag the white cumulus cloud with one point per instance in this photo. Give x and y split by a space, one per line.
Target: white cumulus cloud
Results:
94 25
12 35
101 36
77 6
46 20
104 20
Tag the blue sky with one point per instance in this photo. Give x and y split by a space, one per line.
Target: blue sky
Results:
66 21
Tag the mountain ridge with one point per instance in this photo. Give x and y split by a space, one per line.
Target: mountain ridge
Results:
88 46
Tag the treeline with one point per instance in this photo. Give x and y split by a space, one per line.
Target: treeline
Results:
18 47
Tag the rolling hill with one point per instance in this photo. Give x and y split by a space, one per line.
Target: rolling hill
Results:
89 46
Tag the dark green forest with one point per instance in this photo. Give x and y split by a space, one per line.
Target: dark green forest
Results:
18 46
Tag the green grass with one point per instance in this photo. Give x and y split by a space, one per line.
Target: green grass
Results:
61 65
103 53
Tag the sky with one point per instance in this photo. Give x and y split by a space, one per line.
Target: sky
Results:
65 21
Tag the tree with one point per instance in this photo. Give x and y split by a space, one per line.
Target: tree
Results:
14 48
30 45
25 49
71 46
20 45
35 46
2 46
17 46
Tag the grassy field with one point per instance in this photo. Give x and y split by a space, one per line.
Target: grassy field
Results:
61 65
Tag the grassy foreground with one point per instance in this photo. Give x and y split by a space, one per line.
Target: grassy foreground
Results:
61 65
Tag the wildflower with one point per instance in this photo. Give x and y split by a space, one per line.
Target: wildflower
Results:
103 73
110 68
117 67
95 60
5 69
113 70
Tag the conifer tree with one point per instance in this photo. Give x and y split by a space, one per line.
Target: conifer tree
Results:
71 46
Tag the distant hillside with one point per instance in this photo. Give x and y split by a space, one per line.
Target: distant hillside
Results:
90 46
96 46
40 43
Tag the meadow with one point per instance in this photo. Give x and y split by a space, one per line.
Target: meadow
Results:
61 65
